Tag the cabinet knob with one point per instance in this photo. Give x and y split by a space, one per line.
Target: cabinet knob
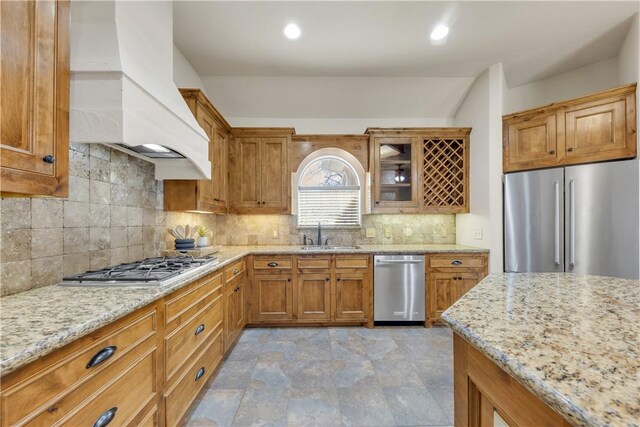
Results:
570 149
326 279
377 202
289 279
258 202
264 203
49 159
456 262
552 152
273 264
236 271
199 329
106 417
338 279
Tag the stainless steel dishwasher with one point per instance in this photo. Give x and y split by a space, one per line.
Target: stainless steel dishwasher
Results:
398 288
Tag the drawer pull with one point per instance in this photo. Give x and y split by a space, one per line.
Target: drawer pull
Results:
200 329
101 356
106 417
49 159
199 374
456 262
236 271
273 264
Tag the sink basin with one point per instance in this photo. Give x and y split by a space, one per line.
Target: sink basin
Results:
329 248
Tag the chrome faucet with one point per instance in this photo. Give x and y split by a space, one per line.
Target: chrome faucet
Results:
319 239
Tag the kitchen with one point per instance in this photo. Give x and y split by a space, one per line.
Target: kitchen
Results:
485 163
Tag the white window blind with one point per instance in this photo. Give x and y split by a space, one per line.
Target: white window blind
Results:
331 206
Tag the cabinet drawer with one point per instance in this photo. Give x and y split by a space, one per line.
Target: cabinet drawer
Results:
457 261
183 304
273 263
128 385
350 262
234 270
180 397
67 371
314 262
180 344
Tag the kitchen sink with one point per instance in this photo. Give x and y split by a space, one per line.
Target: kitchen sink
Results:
328 247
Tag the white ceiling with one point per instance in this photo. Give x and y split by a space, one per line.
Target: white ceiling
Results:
532 39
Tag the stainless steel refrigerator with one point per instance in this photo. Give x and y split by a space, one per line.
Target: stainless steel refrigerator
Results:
581 219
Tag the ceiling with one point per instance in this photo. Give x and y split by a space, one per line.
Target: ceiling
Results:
533 40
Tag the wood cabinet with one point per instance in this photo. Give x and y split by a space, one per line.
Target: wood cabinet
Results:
449 277
325 289
486 395
203 195
259 166
592 128
109 373
419 170
34 149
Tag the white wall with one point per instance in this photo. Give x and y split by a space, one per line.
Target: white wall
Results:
184 75
336 125
582 81
629 63
482 110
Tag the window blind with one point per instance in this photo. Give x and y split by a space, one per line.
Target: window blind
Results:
337 206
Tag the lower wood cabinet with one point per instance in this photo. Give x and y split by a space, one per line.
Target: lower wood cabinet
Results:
486 395
324 289
272 297
234 301
449 277
110 373
314 296
353 295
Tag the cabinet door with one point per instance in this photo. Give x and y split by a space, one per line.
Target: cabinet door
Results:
274 178
34 104
273 297
531 143
395 184
247 172
446 288
207 188
239 308
597 131
314 296
352 296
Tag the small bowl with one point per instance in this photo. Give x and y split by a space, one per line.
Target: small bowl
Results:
184 241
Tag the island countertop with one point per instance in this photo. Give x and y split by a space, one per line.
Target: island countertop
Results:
572 340
39 321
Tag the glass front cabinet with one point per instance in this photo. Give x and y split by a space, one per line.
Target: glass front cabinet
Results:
395 175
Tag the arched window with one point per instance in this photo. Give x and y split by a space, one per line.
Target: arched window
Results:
329 192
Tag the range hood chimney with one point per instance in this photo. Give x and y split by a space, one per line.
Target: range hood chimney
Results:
122 88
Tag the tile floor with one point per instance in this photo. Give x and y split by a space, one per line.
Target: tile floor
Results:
391 376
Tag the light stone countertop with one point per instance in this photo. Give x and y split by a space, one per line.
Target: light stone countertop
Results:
37 322
572 340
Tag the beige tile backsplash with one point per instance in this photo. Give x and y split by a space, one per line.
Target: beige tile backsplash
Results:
114 214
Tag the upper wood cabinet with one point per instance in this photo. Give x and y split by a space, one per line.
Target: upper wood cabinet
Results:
419 170
34 149
203 195
592 128
259 170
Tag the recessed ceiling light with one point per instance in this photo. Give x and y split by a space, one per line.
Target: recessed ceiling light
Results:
292 31
439 32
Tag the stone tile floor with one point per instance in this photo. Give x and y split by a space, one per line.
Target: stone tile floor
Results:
390 376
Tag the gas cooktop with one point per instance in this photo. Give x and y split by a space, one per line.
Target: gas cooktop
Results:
148 272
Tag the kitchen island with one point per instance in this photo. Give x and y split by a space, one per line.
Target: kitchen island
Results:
530 346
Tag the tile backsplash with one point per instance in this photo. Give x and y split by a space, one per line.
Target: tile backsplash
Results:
113 214
282 230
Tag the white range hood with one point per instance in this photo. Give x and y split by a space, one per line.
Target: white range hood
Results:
122 89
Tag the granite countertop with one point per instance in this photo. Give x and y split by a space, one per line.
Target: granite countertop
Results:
573 341
39 321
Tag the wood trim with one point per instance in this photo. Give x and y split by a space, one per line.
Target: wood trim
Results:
199 96
419 131
262 132
303 145
616 91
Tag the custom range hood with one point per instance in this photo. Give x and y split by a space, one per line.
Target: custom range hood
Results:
122 89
